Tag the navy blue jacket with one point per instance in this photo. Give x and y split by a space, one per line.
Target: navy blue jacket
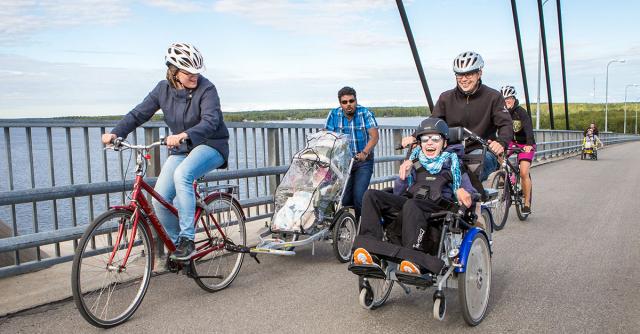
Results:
196 112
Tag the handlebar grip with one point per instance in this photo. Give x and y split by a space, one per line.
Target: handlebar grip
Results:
117 141
163 141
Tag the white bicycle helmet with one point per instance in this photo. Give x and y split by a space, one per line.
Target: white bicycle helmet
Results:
508 91
185 57
466 62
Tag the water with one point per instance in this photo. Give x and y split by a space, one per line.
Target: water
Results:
102 165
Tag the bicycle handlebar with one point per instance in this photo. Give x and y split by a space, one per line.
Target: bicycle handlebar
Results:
119 143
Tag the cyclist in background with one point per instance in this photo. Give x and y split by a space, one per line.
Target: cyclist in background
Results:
199 142
522 138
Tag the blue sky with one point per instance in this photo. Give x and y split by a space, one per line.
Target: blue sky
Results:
101 57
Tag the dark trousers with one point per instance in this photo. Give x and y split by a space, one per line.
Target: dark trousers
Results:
407 224
358 183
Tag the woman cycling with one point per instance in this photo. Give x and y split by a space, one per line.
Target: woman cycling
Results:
199 142
522 138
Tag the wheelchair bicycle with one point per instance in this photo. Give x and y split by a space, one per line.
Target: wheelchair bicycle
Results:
465 254
589 153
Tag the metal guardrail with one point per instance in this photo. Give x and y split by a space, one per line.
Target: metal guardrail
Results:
49 194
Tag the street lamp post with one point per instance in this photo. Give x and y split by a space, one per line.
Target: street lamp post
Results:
625 105
637 116
539 75
606 94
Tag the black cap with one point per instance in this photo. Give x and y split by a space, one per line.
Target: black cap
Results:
433 125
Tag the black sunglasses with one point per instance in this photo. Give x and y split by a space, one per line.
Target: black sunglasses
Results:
349 101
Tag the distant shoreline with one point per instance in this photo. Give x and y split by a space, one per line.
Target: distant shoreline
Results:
581 114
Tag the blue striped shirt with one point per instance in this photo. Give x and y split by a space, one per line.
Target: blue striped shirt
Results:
357 128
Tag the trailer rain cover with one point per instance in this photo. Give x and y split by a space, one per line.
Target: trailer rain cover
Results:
313 183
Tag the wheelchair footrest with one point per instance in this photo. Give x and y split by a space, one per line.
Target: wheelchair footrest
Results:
367 270
424 280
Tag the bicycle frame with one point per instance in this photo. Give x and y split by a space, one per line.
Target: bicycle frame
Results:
140 205
509 169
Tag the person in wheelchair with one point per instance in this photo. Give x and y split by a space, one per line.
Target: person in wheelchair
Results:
591 140
430 181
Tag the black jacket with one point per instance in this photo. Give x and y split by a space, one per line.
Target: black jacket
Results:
522 125
482 112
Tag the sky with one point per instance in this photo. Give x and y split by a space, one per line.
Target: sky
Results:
101 57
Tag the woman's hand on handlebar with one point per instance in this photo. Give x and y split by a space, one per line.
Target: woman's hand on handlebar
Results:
175 140
405 168
527 148
495 147
107 138
464 197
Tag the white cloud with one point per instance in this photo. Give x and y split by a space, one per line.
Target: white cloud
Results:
331 17
19 20
178 6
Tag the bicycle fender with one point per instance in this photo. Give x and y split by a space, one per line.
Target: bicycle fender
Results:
465 247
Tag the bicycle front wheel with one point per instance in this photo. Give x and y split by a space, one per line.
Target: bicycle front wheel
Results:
501 208
221 225
107 285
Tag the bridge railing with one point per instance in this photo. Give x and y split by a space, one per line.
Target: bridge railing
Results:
56 176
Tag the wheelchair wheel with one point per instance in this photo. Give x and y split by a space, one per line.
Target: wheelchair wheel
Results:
520 206
475 281
500 211
439 305
374 291
344 232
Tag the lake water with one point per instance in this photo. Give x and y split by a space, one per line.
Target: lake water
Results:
111 166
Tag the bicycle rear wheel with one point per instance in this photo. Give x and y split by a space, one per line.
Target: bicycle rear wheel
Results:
500 211
107 291
215 270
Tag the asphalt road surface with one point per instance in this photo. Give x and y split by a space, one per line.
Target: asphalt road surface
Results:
573 267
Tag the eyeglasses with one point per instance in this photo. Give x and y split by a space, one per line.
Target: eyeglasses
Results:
434 138
347 101
466 75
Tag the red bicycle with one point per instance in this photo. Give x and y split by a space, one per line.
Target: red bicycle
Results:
115 257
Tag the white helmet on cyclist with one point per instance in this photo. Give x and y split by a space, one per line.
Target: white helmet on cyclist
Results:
466 62
185 57
508 91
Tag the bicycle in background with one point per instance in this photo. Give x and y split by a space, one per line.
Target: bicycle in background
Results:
508 183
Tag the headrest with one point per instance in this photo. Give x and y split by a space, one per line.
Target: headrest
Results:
456 135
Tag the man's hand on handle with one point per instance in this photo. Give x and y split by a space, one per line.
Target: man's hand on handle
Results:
495 147
406 141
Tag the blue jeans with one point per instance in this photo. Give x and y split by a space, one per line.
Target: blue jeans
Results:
358 183
489 165
175 184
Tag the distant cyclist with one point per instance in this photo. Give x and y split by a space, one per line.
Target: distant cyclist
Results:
522 138
199 142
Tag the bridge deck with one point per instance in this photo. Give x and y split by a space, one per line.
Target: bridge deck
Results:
573 267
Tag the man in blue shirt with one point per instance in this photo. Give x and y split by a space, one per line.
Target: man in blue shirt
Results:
360 124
